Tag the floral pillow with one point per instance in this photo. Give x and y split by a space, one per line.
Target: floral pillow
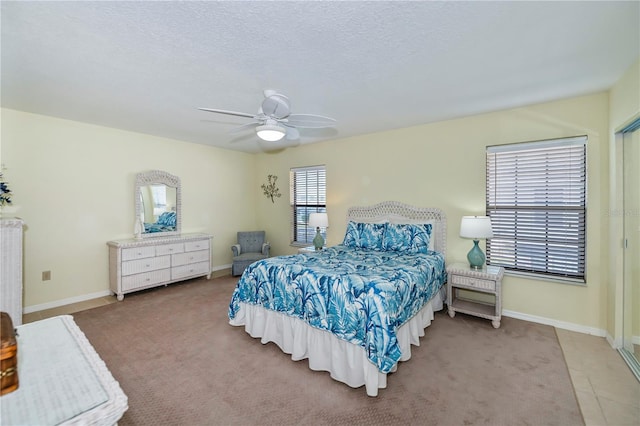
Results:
167 219
364 235
413 238
371 235
352 236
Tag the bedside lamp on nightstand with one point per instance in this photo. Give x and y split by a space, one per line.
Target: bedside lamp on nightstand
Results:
318 220
476 227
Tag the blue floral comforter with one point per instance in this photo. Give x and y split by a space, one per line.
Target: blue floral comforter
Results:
361 296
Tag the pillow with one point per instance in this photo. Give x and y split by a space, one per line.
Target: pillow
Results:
364 235
403 221
351 236
167 219
413 238
371 235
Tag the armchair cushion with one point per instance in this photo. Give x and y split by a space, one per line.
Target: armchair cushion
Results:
251 247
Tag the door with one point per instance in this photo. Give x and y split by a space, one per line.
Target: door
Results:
631 223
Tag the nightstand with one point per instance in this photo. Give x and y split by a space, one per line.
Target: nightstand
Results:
487 280
309 249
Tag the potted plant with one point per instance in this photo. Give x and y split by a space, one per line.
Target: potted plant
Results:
5 192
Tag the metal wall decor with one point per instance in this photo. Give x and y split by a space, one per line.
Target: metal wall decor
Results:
270 189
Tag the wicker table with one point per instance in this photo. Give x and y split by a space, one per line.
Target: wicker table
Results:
62 379
487 280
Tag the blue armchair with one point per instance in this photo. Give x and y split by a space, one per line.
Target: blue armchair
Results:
250 248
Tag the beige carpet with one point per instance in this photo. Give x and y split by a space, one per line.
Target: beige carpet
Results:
181 363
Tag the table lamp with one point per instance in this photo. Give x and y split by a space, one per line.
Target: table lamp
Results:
476 227
318 220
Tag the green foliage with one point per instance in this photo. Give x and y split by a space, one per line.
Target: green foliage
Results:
5 192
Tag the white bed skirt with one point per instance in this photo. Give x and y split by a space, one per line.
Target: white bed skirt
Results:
346 362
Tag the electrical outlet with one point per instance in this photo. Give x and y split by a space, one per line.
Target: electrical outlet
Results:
46 275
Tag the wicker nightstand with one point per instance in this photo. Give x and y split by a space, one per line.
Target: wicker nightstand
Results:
309 249
486 280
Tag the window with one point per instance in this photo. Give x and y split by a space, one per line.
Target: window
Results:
536 198
159 197
308 194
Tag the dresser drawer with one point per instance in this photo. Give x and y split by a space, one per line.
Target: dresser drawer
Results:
196 245
190 270
138 253
169 249
132 282
190 257
474 282
145 265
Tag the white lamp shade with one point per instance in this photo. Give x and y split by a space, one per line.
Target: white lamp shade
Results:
318 220
270 132
476 227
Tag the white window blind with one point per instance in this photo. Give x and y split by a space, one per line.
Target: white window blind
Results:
308 194
536 198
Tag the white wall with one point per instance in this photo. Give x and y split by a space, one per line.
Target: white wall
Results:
73 185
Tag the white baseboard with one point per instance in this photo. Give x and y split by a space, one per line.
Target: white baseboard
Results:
556 323
84 297
63 302
615 343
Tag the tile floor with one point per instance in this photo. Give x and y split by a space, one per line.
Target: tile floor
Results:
606 389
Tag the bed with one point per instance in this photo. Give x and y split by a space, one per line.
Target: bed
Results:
354 309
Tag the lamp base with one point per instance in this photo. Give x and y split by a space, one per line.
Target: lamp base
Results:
318 241
475 256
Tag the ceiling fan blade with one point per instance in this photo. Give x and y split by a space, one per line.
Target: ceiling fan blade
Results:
292 133
222 111
245 127
310 121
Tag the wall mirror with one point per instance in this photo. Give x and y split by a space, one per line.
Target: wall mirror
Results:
158 203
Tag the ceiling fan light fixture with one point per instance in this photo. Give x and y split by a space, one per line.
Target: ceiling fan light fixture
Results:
270 132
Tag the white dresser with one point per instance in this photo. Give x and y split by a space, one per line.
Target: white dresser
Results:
11 268
138 264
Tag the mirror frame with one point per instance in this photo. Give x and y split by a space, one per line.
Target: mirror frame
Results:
153 177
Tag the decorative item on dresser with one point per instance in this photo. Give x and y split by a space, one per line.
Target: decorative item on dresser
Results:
8 355
487 280
138 264
11 230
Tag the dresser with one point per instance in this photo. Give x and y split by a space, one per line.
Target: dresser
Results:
139 264
11 268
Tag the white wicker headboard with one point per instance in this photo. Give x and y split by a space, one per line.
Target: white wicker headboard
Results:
395 212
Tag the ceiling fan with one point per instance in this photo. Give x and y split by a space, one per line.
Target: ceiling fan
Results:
274 120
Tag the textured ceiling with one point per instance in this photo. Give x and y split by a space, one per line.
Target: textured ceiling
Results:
373 66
